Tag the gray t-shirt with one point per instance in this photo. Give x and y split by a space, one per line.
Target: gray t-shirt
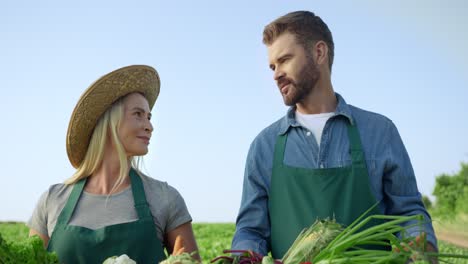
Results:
95 211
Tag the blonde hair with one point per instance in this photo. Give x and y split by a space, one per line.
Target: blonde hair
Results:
109 122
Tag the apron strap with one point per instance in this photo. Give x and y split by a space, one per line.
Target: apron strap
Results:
279 150
69 208
355 146
139 197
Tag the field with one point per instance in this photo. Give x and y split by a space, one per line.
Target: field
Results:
212 239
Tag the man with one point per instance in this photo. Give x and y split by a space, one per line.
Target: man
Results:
325 158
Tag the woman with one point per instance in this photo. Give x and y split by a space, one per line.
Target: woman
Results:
108 207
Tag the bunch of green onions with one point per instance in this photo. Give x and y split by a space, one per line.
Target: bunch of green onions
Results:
328 242
349 245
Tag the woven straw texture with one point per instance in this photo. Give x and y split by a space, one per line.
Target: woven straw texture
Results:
99 97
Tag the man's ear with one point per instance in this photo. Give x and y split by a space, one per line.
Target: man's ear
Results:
320 53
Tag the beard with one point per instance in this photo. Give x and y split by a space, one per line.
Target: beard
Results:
306 81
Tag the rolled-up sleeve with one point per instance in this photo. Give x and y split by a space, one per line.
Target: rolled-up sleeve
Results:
401 192
252 224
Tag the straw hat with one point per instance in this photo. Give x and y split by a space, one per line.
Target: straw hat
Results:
99 97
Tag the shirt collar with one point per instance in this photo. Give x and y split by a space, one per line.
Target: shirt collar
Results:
342 109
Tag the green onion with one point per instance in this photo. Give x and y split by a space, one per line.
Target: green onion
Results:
328 242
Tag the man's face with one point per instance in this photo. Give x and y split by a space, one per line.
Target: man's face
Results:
295 71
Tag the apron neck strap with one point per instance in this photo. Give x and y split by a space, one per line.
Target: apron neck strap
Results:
67 211
355 147
139 197
279 150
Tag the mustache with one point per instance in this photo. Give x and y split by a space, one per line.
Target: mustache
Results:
284 81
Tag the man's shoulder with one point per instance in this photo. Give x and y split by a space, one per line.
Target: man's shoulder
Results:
271 132
362 115
370 121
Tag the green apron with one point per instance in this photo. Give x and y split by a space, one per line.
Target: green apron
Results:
138 239
299 196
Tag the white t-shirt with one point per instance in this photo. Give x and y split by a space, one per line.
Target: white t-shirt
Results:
314 123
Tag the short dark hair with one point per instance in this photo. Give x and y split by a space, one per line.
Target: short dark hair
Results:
306 26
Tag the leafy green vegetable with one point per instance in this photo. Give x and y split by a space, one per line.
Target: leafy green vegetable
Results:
268 260
28 251
184 258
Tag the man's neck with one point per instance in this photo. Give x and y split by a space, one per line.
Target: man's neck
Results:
321 99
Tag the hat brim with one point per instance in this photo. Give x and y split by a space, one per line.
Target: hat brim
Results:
99 97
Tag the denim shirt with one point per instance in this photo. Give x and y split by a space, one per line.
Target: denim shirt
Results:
391 175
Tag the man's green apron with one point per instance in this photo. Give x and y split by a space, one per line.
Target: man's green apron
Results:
299 196
138 239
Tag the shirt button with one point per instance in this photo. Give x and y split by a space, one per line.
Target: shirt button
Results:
308 133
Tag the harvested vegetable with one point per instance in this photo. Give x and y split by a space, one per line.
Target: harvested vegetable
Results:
268 260
29 251
312 240
183 258
240 257
327 242
349 246
122 259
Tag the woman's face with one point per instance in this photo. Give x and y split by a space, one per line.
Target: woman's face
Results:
135 127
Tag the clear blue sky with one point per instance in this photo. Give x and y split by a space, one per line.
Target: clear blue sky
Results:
407 60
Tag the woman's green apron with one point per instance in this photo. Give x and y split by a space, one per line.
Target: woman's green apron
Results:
138 239
299 196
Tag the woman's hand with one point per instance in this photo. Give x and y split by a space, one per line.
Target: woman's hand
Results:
182 239
178 246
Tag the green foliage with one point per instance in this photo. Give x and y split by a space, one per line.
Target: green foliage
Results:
446 191
28 251
14 230
451 193
427 202
212 239
451 249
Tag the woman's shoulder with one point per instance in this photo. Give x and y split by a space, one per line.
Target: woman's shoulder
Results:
159 188
59 190
56 194
166 204
155 185
49 206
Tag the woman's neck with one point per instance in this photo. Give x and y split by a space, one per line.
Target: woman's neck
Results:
104 179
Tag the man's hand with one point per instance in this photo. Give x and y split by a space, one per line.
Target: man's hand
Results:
418 247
